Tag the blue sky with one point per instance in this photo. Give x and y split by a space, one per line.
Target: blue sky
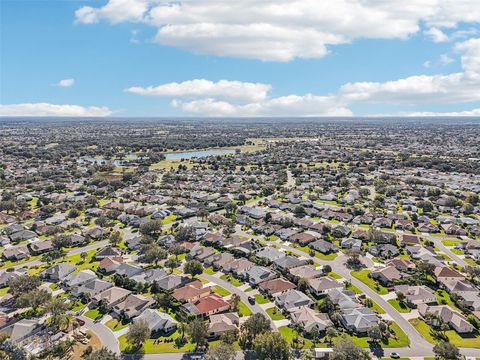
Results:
108 47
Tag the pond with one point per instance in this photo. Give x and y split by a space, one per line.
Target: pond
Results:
199 153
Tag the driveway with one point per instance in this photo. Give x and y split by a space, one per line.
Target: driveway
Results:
106 336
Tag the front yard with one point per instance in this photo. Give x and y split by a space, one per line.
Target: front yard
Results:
363 276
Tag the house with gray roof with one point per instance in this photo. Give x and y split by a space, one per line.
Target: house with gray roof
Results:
289 262
270 254
292 300
58 272
92 288
158 322
323 246
359 320
258 274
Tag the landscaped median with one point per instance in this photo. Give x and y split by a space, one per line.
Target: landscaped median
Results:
363 276
466 341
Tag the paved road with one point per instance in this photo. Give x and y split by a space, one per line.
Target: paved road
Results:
437 240
95 245
104 333
255 308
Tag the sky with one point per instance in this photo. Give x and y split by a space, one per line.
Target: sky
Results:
239 58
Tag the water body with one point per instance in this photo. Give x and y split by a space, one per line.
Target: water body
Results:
200 153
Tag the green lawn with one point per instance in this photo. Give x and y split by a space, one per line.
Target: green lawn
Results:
243 309
470 341
321 256
334 275
209 271
77 305
115 325
163 347
451 242
220 291
169 219
231 280
353 288
275 313
289 334
400 307
377 308
443 297
400 340
93 314
4 290
77 260
362 275
261 299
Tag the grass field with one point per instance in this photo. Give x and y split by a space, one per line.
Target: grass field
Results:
275 313
231 280
401 308
362 275
93 314
220 291
470 341
243 309
115 325
261 299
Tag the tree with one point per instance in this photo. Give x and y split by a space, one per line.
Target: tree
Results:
315 334
271 346
193 268
231 207
426 269
253 326
138 333
186 233
234 302
33 298
115 237
163 299
345 349
198 331
102 354
326 269
153 253
176 250
400 297
222 351
151 228
23 284
302 284
375 334
203 214
446 350
330 333
472 271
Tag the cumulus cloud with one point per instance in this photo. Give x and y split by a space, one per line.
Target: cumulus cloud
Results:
46 109
281 30
66 83
436 35
291 105
223 89
452 88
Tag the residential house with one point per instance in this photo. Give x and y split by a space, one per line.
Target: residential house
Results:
158 322
416 295
16 253
456 320
310 319
359 320
257 274
305 272
275 287
323 285
292 300
112 296
323 246
385 251
222 323
387 275
289 262
58 272
133 305
191 292
92 288
206 306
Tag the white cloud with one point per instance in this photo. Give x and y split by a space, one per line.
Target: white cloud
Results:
291 105
427 64
282 30
223 89
452 88
436 35
473 112
66 83
46 109
445 59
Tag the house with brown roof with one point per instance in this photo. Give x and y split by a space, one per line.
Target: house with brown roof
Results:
238 266
305 272
386 275
457 321
206 306
409 239
402 264
444 273
191 292
222 323
323 285
310 319
18 252
133 305
416 295
275 287
110 264
112 296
